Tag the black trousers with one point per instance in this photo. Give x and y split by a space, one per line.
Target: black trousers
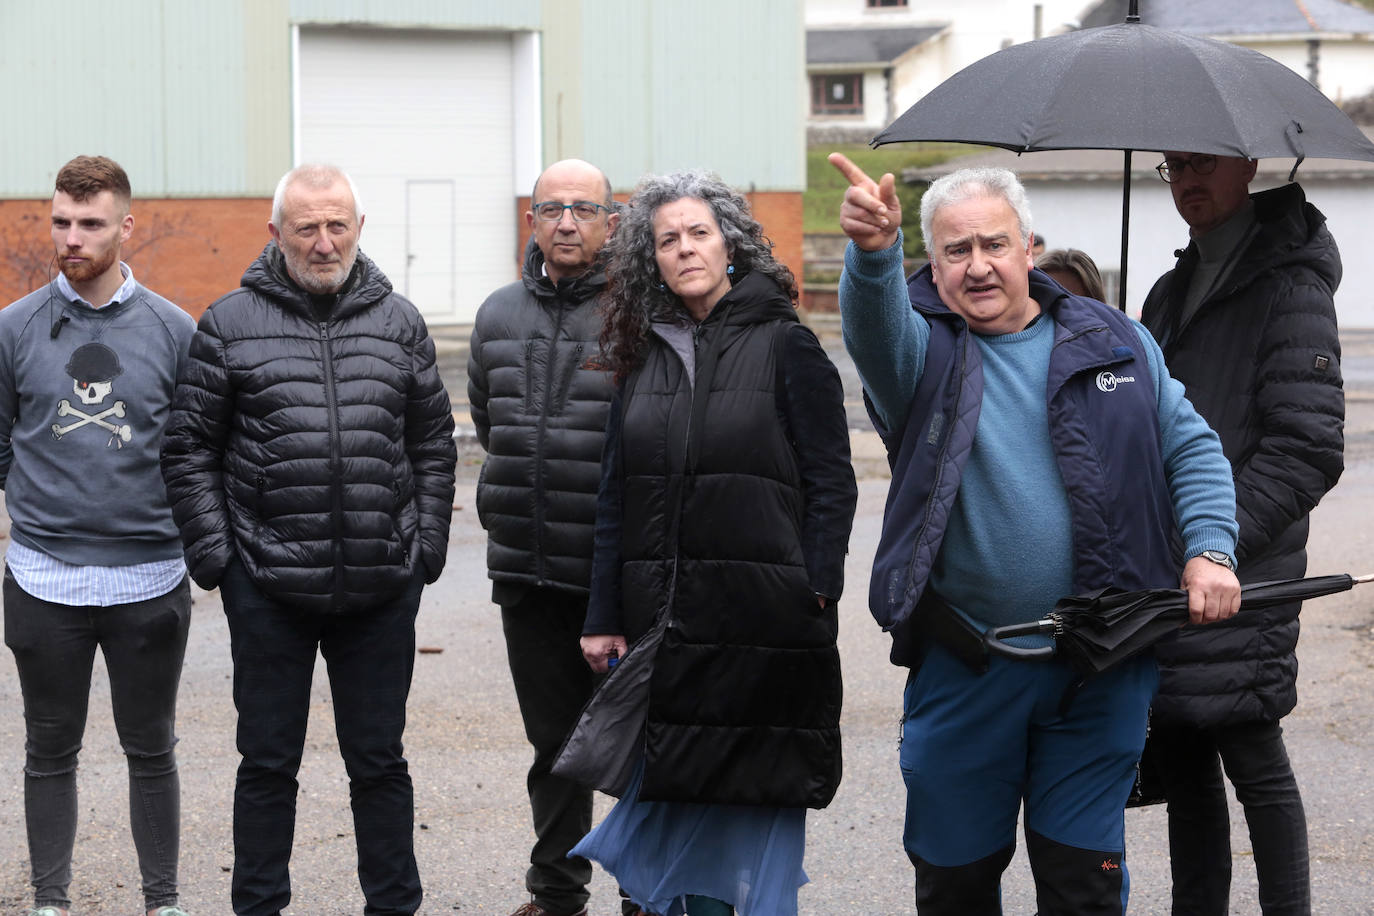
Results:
370 658
1256 762
54 647
552 684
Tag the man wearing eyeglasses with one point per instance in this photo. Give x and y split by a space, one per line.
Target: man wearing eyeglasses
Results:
1247 323
540 410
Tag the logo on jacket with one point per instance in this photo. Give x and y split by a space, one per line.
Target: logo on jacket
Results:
1107 380
93 368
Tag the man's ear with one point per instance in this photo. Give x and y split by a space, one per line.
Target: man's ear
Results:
273 231
126 228
529 220
611 222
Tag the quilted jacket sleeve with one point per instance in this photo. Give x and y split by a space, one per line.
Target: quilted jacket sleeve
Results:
1301 409
193 454
433 456
814 406
477 384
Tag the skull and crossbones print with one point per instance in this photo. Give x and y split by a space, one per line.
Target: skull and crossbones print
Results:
93 368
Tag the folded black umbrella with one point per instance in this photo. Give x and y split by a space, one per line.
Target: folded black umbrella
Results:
1097 631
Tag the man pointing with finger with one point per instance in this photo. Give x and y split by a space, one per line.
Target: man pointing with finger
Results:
1039 448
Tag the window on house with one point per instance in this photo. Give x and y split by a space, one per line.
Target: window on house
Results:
837 94
873 4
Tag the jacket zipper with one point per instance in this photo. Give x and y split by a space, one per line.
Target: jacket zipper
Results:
940 462
541 432
335 461
681 494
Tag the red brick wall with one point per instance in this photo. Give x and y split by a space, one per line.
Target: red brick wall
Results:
191 251
194 251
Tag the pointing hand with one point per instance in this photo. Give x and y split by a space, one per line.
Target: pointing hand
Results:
871 213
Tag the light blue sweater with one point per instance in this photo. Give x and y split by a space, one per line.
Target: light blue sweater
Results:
1007 555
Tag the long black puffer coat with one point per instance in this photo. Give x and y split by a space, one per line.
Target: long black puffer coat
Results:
1260 360
727 506
320 452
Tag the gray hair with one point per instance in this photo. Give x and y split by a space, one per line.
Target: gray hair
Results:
967 184
638 295
313 175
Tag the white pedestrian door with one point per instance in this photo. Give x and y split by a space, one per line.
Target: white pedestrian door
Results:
430 244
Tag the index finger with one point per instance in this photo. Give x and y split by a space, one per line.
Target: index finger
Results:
852 173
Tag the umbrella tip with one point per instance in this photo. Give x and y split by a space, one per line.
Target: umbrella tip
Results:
1133 15
1365 578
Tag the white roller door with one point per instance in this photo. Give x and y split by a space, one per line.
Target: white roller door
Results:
422 121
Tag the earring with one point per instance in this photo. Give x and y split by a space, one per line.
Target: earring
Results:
730 269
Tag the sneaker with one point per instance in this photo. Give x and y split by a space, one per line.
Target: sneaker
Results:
170 911
45 911
534 909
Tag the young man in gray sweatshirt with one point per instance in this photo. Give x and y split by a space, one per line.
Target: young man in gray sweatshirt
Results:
88 363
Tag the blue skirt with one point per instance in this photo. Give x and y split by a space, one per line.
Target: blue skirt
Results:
659 852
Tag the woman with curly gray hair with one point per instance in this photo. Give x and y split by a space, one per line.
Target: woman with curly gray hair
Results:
723 520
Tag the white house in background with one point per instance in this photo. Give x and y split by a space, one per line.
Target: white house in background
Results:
1330 42
1075 198
870 60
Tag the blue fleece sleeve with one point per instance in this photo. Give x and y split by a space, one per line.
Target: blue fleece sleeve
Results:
884 335
1199 475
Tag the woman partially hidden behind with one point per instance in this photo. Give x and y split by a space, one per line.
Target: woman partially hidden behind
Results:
724 516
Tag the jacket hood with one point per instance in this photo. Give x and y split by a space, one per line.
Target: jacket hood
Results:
754 299
1291 231
574 290
366 284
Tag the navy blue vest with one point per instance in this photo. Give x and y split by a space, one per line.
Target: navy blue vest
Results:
1104 428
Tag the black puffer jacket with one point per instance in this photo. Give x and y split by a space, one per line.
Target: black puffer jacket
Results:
540 412
319 452
1260 360
727 506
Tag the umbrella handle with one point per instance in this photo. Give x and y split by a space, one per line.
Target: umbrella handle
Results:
994 636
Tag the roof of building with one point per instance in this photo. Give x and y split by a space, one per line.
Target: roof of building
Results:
1106 165
864 46
1239 17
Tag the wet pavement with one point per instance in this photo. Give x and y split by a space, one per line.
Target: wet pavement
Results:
468 753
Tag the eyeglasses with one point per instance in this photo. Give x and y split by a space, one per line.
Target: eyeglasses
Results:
584 211
1171 170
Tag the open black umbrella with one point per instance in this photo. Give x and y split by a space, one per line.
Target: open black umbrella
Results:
1099 630
1133 87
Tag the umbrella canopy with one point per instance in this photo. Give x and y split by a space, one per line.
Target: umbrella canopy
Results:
1097 631
1133 87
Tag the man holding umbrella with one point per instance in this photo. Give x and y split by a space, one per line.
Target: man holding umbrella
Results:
1039 448
1247 322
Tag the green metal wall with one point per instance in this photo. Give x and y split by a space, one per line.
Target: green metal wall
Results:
434 14
194 98
640 87
177 92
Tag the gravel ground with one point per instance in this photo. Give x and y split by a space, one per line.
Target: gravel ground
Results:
468 753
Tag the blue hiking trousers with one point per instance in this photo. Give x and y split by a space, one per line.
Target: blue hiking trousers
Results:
976 746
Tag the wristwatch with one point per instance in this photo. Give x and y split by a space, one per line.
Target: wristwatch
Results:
1220 558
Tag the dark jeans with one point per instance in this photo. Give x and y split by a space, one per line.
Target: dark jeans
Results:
370 658
1256 762
552 683
54 648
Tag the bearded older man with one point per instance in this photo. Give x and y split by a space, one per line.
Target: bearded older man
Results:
310 464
